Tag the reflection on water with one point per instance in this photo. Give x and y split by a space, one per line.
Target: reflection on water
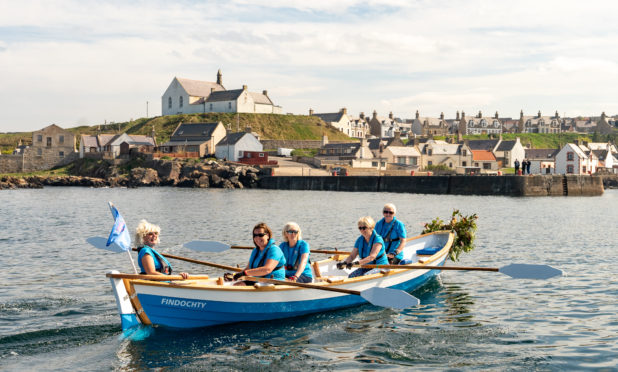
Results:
57 310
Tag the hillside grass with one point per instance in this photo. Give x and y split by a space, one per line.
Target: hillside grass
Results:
268 126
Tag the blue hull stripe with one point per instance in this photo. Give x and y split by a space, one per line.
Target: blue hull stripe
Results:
190 313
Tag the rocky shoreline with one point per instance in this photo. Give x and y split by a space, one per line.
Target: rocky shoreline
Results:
153 173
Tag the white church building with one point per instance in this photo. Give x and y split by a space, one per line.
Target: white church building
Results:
186 96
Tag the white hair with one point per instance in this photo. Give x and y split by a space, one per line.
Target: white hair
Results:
143 229
291 225
391 206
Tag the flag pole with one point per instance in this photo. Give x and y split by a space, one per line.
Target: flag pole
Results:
129 250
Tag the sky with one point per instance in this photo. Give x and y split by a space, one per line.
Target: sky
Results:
89 62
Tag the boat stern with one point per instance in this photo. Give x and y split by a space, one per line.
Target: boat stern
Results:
128 316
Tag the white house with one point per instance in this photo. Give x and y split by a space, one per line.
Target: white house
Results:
574 158
186 96
405 155
233 145
339 120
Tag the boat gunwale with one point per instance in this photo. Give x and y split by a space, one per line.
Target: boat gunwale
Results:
218 287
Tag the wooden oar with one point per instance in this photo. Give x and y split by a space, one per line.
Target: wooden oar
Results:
518 271
154 277
385 297
213 246
199 262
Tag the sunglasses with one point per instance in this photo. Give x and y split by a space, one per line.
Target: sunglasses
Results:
261 235
388 212
292 232
362 227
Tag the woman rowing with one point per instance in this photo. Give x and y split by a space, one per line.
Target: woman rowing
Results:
393 232
266 259
369 247
150 261
296 252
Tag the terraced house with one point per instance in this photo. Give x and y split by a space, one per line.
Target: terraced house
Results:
480 124
539 123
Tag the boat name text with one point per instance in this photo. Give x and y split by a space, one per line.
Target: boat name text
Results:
183 303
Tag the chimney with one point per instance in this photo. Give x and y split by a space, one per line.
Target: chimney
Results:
324 140
415 142
463 115
521 114
457 117
441 116
585 143
397 135
362 115
265 92
390 115
603 115
466 143
496 115
417 114
153 135
244 87
310 112
219 77
539 114
480 115
344 111
248 130
576 142
557 115
375 114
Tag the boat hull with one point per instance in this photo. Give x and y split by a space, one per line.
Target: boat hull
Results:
192 305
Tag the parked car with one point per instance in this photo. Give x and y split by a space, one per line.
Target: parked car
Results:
339 171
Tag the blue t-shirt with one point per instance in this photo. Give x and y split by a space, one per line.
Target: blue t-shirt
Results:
398 231
156 257
292 257
364 248
270 252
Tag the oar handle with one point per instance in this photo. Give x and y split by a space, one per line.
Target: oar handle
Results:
311 250
302 285
154 277
199 262
425 267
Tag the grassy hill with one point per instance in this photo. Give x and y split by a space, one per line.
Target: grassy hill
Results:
269 126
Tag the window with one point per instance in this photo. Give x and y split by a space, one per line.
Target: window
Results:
39 138
49 141
211 107
169 102
570 155
39 152
476 164
429 152
374 163
464 164
486 165
180 101
261 154
450 165
229 105
401 160
430 162
60 139
61 154
464 152
569 169
584 169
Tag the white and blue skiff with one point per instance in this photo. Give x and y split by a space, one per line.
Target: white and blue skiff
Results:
207 302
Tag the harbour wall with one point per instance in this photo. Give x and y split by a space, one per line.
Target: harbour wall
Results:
532 185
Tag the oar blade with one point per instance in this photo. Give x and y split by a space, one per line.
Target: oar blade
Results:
210 246
530 271
388 297
101 243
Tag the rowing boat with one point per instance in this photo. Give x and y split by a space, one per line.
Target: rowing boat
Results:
202 301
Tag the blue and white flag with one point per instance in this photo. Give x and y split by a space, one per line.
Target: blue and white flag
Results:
119 234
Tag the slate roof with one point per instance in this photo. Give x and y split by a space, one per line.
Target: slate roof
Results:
488 144
540 154
330 117
232 138
404 151
506 145
193 131
199 88
443 149
226 95
261 98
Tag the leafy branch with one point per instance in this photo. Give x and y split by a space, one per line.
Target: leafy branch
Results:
464 228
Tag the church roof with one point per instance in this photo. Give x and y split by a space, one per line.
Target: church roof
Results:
198 88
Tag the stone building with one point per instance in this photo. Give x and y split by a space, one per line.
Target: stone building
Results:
429 127
539 123
480 124
51 147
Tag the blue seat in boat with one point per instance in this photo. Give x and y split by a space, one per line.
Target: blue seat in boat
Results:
428 251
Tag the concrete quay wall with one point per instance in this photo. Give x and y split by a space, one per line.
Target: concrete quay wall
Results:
534 185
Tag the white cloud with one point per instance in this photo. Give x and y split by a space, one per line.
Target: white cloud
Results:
91 61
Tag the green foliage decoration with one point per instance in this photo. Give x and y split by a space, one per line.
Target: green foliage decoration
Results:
464 228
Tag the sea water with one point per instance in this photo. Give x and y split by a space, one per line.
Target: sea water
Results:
57 310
